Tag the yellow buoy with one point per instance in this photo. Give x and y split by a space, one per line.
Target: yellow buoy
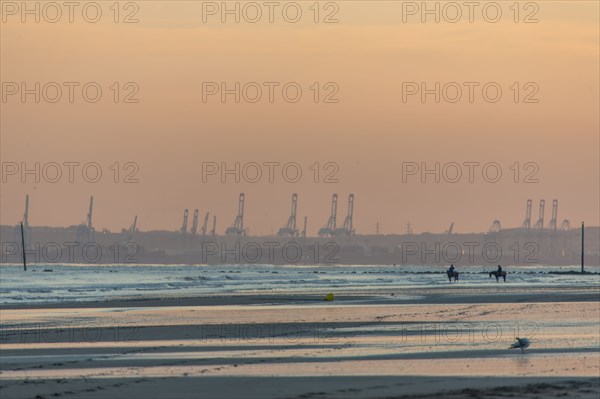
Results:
329 297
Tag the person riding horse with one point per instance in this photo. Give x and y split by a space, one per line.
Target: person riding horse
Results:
499 273
452 273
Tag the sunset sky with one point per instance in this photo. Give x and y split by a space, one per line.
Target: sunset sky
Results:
369 133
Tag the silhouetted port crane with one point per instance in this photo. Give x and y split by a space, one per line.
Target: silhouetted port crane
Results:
85 231
204 225
449 231
540 222
184 225
496 227
290 230
238 225
329 229
213 232
132 230
527 221
552 225
348 228
194 228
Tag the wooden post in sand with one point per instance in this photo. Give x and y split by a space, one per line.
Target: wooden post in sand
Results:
23 246
582 249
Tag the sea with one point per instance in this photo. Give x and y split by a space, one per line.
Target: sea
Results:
56 283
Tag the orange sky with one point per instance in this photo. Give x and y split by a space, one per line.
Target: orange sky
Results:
369 133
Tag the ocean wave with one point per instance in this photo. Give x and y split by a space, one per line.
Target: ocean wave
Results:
85 283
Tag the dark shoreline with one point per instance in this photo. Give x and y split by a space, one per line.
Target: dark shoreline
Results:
432 296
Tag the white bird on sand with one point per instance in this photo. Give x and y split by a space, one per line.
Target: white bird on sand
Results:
521 343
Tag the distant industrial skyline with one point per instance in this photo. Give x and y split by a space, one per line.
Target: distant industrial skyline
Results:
542 214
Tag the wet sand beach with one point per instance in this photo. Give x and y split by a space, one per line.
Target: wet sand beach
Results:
440 342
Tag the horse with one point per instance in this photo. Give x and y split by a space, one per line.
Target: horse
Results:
452 274
498 275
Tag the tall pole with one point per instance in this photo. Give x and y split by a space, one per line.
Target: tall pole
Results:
582 249
23 246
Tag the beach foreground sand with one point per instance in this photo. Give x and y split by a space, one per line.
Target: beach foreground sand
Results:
445 344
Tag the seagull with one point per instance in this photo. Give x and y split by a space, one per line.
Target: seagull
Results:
521 343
